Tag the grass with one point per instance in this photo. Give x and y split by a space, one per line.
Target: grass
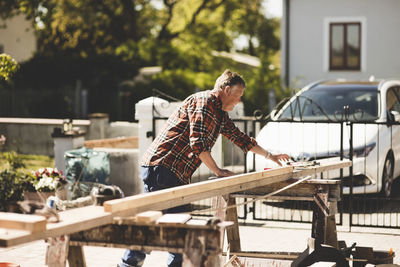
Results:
32 162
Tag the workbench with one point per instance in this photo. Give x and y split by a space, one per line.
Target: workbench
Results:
200 241
323 244
84 224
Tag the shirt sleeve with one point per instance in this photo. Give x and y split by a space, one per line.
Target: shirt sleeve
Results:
232 132
200 119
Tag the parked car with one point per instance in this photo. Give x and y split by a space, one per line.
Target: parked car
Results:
307 127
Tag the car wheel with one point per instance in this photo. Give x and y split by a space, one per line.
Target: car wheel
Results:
387 177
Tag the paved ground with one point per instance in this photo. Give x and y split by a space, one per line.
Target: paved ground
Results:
272 236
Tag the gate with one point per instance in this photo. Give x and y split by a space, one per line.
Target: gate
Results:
362 205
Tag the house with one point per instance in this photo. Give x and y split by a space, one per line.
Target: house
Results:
17 38
330 39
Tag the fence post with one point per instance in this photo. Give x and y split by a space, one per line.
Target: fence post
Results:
146 111
98 124
350 124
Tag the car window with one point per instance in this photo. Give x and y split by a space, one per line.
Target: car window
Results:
326 103
393 99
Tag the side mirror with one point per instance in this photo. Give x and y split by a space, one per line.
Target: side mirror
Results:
393 117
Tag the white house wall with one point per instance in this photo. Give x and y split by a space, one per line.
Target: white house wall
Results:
309 38
18 38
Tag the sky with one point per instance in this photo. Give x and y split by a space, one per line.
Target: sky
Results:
273 8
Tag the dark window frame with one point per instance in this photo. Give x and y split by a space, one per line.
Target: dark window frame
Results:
345 46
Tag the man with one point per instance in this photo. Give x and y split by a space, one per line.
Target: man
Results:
186 141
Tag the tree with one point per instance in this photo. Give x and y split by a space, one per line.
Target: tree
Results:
104 43
8 66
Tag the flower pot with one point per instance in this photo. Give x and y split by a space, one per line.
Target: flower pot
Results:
12 206
9 264
38 196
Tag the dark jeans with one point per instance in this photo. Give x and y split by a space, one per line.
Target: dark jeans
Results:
156 178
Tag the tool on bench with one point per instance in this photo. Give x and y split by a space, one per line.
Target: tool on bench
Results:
102 193
303 164
38 208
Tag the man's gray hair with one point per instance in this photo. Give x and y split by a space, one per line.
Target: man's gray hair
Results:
229 78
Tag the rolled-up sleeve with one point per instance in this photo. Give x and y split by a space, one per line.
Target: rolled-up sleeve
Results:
235 135
200 118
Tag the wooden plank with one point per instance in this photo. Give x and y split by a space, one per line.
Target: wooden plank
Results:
267 255
150 236
302 191
233 232
71 221
119 142
243 195
76 256
80 219
187 193
148 216
31 223
172 219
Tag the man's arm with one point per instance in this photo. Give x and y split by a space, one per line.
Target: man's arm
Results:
207 159
246 143
275 158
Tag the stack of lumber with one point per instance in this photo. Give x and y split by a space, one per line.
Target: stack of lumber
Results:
119 142
20 230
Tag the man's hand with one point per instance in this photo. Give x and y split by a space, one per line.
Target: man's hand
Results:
206 158
224 173
278 158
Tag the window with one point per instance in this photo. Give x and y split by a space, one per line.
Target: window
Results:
393 99
345 46
324 103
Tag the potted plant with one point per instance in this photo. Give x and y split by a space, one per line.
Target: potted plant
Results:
11 188
46 182
13 177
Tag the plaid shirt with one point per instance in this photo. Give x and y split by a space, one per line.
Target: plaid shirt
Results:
190 130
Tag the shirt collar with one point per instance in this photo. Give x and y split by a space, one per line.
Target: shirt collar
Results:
216 100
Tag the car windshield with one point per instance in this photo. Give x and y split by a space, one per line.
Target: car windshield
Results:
326 103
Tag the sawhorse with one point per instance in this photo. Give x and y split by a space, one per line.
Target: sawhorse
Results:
199 242
324 193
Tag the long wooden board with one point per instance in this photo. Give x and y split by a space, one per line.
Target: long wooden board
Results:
188 193
84 218
71 221
119 142
31 223
79 219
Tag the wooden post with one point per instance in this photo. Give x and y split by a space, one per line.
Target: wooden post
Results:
195 254
76 256
233 232
330 230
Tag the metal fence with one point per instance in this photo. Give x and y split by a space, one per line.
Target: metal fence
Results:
363 203
66 102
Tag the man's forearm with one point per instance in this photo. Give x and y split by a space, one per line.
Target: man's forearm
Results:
267 154
207 159
259 150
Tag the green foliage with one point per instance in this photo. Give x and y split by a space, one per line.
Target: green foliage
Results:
13 160
13 180
261 80
104 43
8 66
